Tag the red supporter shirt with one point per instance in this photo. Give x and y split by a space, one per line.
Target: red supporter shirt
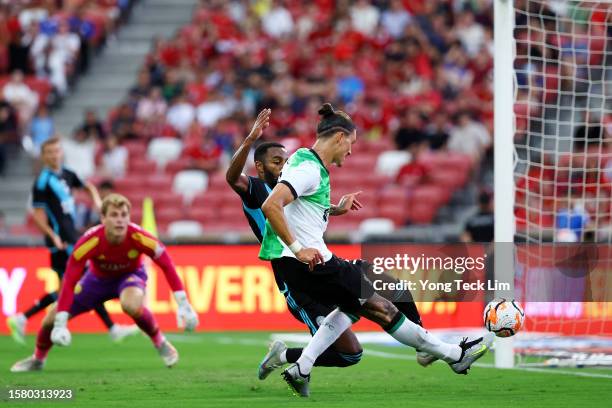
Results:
108 260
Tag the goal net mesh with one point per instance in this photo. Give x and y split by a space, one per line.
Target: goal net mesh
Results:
563 173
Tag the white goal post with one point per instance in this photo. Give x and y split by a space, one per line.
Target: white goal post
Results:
503 80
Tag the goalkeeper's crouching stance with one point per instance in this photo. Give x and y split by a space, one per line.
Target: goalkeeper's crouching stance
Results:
115 270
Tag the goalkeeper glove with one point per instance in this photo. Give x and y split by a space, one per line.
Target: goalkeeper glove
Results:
60 334
185 315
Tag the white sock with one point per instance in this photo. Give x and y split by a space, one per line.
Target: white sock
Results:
413 335
330 329
283 357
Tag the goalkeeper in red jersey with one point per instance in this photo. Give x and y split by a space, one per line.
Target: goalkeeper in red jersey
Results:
113 250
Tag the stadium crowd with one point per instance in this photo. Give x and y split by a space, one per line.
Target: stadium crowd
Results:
44 46
415 76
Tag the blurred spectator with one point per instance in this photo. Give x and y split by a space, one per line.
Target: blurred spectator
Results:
32 15
364 17
143 85
470 33
437 131
216 107
114 158
54 53
93 126
65 47
469 137
349 86
410 132
19 51
79 154
151 107
479 227
24 100
86 216
181 114
8 130
4 228
203 152
278 21
395 19
122 124
415 172
41 129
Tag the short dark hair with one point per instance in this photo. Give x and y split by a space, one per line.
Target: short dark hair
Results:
485 197
262 149
106 184
333 121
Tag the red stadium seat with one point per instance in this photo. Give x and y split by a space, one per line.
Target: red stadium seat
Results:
159 182
208 199
447 177
203 214
128 184
217 179
342 224
175 166
168 214
421 213
432 194
394 211
136 148
142 165
231 211
393 193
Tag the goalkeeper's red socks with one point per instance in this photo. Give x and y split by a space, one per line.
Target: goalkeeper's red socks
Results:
148 324
43 343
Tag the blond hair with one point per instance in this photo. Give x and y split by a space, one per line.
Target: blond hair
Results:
51 141
114 200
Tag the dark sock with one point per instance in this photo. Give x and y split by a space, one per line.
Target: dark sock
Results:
103 314
329 358
41 304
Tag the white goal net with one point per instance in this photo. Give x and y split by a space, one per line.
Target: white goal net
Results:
563 180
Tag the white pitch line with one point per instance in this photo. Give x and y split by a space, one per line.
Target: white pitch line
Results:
383 354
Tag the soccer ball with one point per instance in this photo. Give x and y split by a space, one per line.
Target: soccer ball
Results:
503 317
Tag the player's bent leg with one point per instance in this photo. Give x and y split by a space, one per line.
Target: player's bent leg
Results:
36 361
132 303
459 357
344 352
406 332
17 326
275 358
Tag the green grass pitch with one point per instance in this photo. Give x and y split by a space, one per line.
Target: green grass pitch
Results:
219 369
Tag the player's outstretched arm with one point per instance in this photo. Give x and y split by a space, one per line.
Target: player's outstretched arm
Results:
234 175
60 334
273 210
95 196
347 202
186 317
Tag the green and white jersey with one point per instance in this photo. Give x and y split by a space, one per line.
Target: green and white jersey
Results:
308 180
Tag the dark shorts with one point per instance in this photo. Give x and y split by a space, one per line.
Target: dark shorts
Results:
92 290
336 283
302 306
